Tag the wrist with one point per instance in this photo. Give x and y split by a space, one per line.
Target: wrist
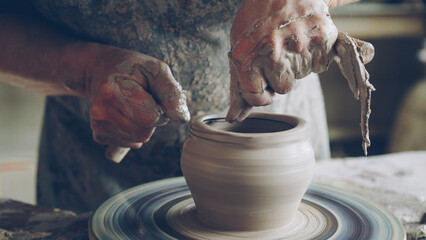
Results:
82 61
74 67
99 62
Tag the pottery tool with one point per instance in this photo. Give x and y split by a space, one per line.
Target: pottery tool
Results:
116 153
165 210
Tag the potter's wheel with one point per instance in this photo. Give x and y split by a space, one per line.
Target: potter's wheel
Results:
165 210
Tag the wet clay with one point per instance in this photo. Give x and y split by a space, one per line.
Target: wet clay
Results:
351 57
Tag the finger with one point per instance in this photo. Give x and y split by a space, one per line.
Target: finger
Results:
279 75
108 140
239 109
252 84
166 90
126 93
337 3
106 129
120 127
323 34
275 65
138 105
283 83
365 49
295 36
106 118
105 133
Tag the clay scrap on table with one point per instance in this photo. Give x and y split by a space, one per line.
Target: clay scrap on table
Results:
351 57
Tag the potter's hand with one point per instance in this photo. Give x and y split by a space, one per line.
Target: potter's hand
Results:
273 43
131 95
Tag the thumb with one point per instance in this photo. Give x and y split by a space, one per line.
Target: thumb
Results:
167 91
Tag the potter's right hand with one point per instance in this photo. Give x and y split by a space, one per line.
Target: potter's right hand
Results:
131 95
273 43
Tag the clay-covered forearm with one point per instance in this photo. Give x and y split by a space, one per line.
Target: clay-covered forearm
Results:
35 56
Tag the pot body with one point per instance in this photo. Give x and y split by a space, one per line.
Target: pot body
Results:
248 176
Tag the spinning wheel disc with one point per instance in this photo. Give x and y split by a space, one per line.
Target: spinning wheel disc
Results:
165 210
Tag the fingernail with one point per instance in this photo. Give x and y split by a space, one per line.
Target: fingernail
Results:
162 121
184 115
180 114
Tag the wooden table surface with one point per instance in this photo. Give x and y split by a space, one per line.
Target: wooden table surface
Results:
24 221
396 181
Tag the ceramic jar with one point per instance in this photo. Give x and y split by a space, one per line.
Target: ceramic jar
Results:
248 176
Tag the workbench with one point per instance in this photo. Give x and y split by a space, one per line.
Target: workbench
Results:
396 181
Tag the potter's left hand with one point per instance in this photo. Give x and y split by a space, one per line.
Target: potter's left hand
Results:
273 43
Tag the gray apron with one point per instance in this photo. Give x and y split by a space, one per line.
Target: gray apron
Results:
192 36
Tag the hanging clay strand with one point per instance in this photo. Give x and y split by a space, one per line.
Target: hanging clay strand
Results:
351 57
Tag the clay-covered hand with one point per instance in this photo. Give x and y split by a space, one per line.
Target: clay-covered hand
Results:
131 95
273 43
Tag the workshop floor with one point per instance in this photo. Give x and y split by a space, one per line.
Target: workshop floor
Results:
20 124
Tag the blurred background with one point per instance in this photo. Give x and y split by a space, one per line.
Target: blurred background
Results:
398 119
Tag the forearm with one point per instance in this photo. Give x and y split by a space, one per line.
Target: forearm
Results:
34 56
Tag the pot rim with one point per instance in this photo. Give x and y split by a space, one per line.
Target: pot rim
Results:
300 129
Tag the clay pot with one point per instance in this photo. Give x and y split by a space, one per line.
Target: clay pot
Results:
248 176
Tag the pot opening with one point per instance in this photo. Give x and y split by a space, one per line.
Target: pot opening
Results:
249 125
